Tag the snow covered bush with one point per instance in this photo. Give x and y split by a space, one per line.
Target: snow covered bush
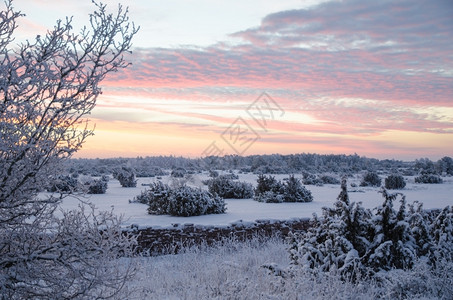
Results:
327 179
356 241
428 178
213 173
445 165
311 179
178 173
125 176
156 197
94 186
394 182
227 188
63 184
48 86
295 191
181 201
442 235
269 190
371 179
186 201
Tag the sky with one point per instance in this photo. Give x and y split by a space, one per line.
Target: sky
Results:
211 77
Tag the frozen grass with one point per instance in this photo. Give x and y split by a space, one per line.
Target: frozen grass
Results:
233 270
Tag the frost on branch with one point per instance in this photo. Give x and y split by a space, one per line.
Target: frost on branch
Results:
47 88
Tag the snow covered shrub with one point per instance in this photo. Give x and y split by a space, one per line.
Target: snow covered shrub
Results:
213 173
428 178
231 176
157 198
311 179
353 240
395 182
442 234
125 176
227 188
269 197
392 245
186 201
371 179
178 173
295 191
337 240
182 201
94 186
445 165
327 179
63 183
269 190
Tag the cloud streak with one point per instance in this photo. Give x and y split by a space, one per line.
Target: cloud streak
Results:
357 69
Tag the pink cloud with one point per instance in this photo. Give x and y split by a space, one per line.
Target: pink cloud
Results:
392 55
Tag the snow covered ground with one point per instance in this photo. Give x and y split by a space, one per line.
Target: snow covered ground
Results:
247 210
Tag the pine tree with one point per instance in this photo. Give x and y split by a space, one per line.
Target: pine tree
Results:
442 232
392 244
338 239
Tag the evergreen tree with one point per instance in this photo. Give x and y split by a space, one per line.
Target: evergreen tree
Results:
295 191
442 233
338 239
392 244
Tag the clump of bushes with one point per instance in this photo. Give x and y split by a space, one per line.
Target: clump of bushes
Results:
371 179
186 201
270 190
428 178
178 173
395 182
126 176
181 201
227 188
63 183
294 191
94 186
327 179
312 179
355 241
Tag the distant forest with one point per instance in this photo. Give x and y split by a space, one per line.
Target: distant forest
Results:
261 164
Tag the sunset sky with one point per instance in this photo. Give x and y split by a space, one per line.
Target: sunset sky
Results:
259 77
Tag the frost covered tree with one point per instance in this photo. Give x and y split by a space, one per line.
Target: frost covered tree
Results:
370 179
185 201
295 191
126 176
337 240
392 244
227 188
268 189
357 241
47 88
394 182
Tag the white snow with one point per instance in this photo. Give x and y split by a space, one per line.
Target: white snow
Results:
248 210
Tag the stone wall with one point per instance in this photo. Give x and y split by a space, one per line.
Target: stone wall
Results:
155 241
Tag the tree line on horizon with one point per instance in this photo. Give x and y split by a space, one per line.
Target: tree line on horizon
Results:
262 164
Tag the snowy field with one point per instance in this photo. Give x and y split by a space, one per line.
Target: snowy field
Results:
234 270
248 210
